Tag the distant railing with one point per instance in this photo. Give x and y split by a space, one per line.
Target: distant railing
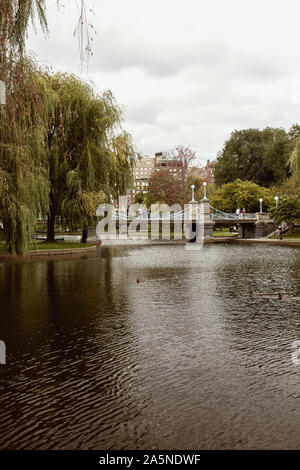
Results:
143 215
219 215
215 215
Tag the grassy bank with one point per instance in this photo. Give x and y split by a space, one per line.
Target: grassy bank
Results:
59 246
224 233
292 236
288 236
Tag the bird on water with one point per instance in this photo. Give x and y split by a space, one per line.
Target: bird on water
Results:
280 295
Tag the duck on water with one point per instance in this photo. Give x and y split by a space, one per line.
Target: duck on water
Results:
280 295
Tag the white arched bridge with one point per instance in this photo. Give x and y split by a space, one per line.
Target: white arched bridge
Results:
249 225
215 215
224 217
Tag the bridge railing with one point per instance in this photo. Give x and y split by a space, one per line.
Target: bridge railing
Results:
215 215
147 216
220 215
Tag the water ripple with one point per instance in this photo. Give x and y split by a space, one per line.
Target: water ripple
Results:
184 360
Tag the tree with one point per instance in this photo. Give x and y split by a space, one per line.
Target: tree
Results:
185 155
165 187
241 194
79 138
24 183
15 16
83 195
23 124
287 210
197 181
148 200
260 156
139 198
290 187
294 133
79 211
294 160
122 158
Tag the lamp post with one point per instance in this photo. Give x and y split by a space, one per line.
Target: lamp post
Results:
276 200
204 189
260 205
193 194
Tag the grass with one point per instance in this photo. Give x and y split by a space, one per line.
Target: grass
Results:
291 236
224 233
288 236
59 245
59 233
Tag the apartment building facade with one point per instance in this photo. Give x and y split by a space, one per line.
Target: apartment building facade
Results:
141 174
147 165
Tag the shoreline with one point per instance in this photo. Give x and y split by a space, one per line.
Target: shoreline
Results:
36 254
70 252
259 241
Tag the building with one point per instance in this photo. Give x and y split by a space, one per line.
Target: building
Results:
169 163
147 165
195 171
141 175
208 171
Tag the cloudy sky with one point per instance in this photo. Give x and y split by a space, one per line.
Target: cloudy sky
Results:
186 72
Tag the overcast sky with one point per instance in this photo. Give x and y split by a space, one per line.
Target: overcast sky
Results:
186 72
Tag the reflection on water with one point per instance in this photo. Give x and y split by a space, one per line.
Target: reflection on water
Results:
187 359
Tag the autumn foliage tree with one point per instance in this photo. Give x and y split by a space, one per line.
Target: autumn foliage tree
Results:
164 187
185 155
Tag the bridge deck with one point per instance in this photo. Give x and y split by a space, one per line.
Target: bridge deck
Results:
234 221
216 221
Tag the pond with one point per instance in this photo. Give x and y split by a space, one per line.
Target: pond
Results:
187 359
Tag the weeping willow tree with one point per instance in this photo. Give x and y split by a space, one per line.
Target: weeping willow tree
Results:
24 183
122 161
80 210
294 160
15 16
23 124
57 137
115 160
85 159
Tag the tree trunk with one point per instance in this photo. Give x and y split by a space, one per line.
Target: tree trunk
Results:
51 222
84 235
291 227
